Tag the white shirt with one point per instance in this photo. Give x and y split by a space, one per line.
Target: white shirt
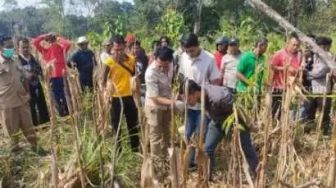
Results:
229 64
198 69
103 56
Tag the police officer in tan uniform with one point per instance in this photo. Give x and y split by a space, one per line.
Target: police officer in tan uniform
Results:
158 110
14 99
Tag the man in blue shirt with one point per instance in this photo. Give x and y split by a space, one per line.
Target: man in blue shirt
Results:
84 61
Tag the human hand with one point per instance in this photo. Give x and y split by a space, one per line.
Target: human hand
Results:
179 106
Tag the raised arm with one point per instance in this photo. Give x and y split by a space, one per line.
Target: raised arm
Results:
65 43
37 43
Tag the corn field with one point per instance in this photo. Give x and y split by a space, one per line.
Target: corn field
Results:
83 153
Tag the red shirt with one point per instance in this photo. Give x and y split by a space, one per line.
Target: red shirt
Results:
279 59
54 54
218 59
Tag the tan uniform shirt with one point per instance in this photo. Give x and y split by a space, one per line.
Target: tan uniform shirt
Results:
12 91
158 84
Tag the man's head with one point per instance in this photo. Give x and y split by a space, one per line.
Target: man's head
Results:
136 49
107 45
293 44
163 58
130 39
83 43
222 44
51 37
118 46
155 45
191 45
261 46
164 41
194 92
324 43
233 46
24 47
7 47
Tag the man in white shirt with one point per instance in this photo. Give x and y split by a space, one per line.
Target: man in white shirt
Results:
229 65
107 50
198 65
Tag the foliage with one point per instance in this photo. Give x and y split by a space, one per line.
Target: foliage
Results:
118 26
171 25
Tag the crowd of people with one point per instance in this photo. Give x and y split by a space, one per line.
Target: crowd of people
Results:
219 76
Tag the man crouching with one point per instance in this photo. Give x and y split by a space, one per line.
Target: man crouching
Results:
219 106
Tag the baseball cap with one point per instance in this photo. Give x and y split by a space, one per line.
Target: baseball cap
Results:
222 41
130 38
233 41
82 40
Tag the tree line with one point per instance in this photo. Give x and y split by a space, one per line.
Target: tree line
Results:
78 17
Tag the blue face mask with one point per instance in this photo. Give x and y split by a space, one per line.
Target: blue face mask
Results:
8 52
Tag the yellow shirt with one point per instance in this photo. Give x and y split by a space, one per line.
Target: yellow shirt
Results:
120 77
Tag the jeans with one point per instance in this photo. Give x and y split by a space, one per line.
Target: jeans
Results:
215 135
193 127
131 114
58 90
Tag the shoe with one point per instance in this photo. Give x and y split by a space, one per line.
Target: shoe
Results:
39 151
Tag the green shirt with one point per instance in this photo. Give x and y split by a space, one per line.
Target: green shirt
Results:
252 67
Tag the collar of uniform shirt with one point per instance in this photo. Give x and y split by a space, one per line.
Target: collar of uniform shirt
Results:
196 59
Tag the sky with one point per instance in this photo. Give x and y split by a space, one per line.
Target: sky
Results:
36 3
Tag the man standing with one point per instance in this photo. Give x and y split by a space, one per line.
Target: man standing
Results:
320 84
198 65
285 66
221 49
130 39
121 68
229 65
53 54
14 98
219 105
250 69
84 61
141 59
106 51
38 106
165 41
158 109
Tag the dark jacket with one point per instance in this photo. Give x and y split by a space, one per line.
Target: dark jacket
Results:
218 102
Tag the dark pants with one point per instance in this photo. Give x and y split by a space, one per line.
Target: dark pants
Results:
38 106
86 81
214 136
131 114
58 90
276 104
309 108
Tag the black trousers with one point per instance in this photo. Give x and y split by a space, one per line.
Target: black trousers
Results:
276 104
130 111
309 108
38 106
